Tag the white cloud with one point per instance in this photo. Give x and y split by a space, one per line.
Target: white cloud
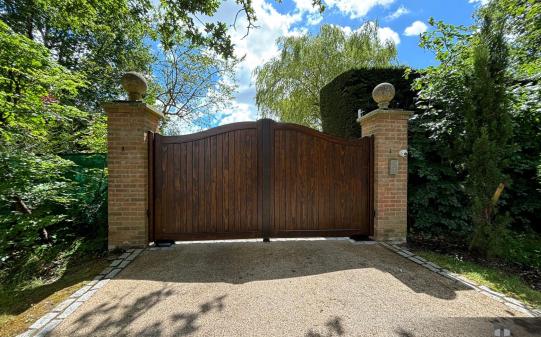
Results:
240 112
259 46
314 19
386 33
346 29
256 48
415 29
306 6
482 2
356 8
398 13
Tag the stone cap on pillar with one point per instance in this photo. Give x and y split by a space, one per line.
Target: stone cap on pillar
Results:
383 93
136 86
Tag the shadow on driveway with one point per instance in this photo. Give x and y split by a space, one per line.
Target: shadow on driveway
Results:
294 288
239 263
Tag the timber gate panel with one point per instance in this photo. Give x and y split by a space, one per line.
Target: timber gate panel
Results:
321 185
259 179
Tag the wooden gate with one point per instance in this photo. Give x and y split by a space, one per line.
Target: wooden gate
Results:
259 179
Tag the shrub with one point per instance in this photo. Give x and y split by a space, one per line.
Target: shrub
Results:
343 96
437 204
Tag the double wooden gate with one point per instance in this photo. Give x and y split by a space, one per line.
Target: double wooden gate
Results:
259 179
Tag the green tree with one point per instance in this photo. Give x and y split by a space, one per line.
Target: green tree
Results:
98 39
288 86
190 74
42 200
488 132
522 22
192 86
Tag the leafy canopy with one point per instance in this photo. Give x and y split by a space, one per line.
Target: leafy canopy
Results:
39 190
479 125
288 85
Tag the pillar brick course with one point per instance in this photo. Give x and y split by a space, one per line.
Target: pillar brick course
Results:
390 131
127 146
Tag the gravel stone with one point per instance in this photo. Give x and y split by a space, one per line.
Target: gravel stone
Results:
87 295
113 273
101 284
105 271
229 289
81 291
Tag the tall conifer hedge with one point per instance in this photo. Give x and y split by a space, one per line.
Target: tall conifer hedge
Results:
342 97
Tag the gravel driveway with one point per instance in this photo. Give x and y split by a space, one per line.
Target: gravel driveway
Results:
289 288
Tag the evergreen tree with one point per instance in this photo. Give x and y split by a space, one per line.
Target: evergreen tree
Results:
488 132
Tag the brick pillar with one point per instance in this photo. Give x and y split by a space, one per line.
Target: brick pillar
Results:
127 147
390 130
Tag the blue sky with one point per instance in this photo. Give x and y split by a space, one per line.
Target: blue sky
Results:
399 20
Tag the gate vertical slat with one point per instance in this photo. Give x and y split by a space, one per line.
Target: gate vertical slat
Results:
150 210
266 156
371 210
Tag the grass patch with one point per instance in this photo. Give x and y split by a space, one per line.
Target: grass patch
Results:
510 285
23 304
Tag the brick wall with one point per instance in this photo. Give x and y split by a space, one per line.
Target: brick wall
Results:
390 130
128 123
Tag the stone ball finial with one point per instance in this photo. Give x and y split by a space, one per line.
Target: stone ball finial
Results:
383 93
135 84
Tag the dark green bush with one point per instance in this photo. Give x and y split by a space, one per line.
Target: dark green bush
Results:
342 97
437 204
51 208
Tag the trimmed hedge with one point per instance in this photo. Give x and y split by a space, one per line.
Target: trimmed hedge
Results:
436 203
342 97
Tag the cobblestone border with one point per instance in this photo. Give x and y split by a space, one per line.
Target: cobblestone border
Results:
49 321
510 302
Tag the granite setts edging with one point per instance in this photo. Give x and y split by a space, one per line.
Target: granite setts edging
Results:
508 301
49 321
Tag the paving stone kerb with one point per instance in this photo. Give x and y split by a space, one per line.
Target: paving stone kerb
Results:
390 130
49 321
127 146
